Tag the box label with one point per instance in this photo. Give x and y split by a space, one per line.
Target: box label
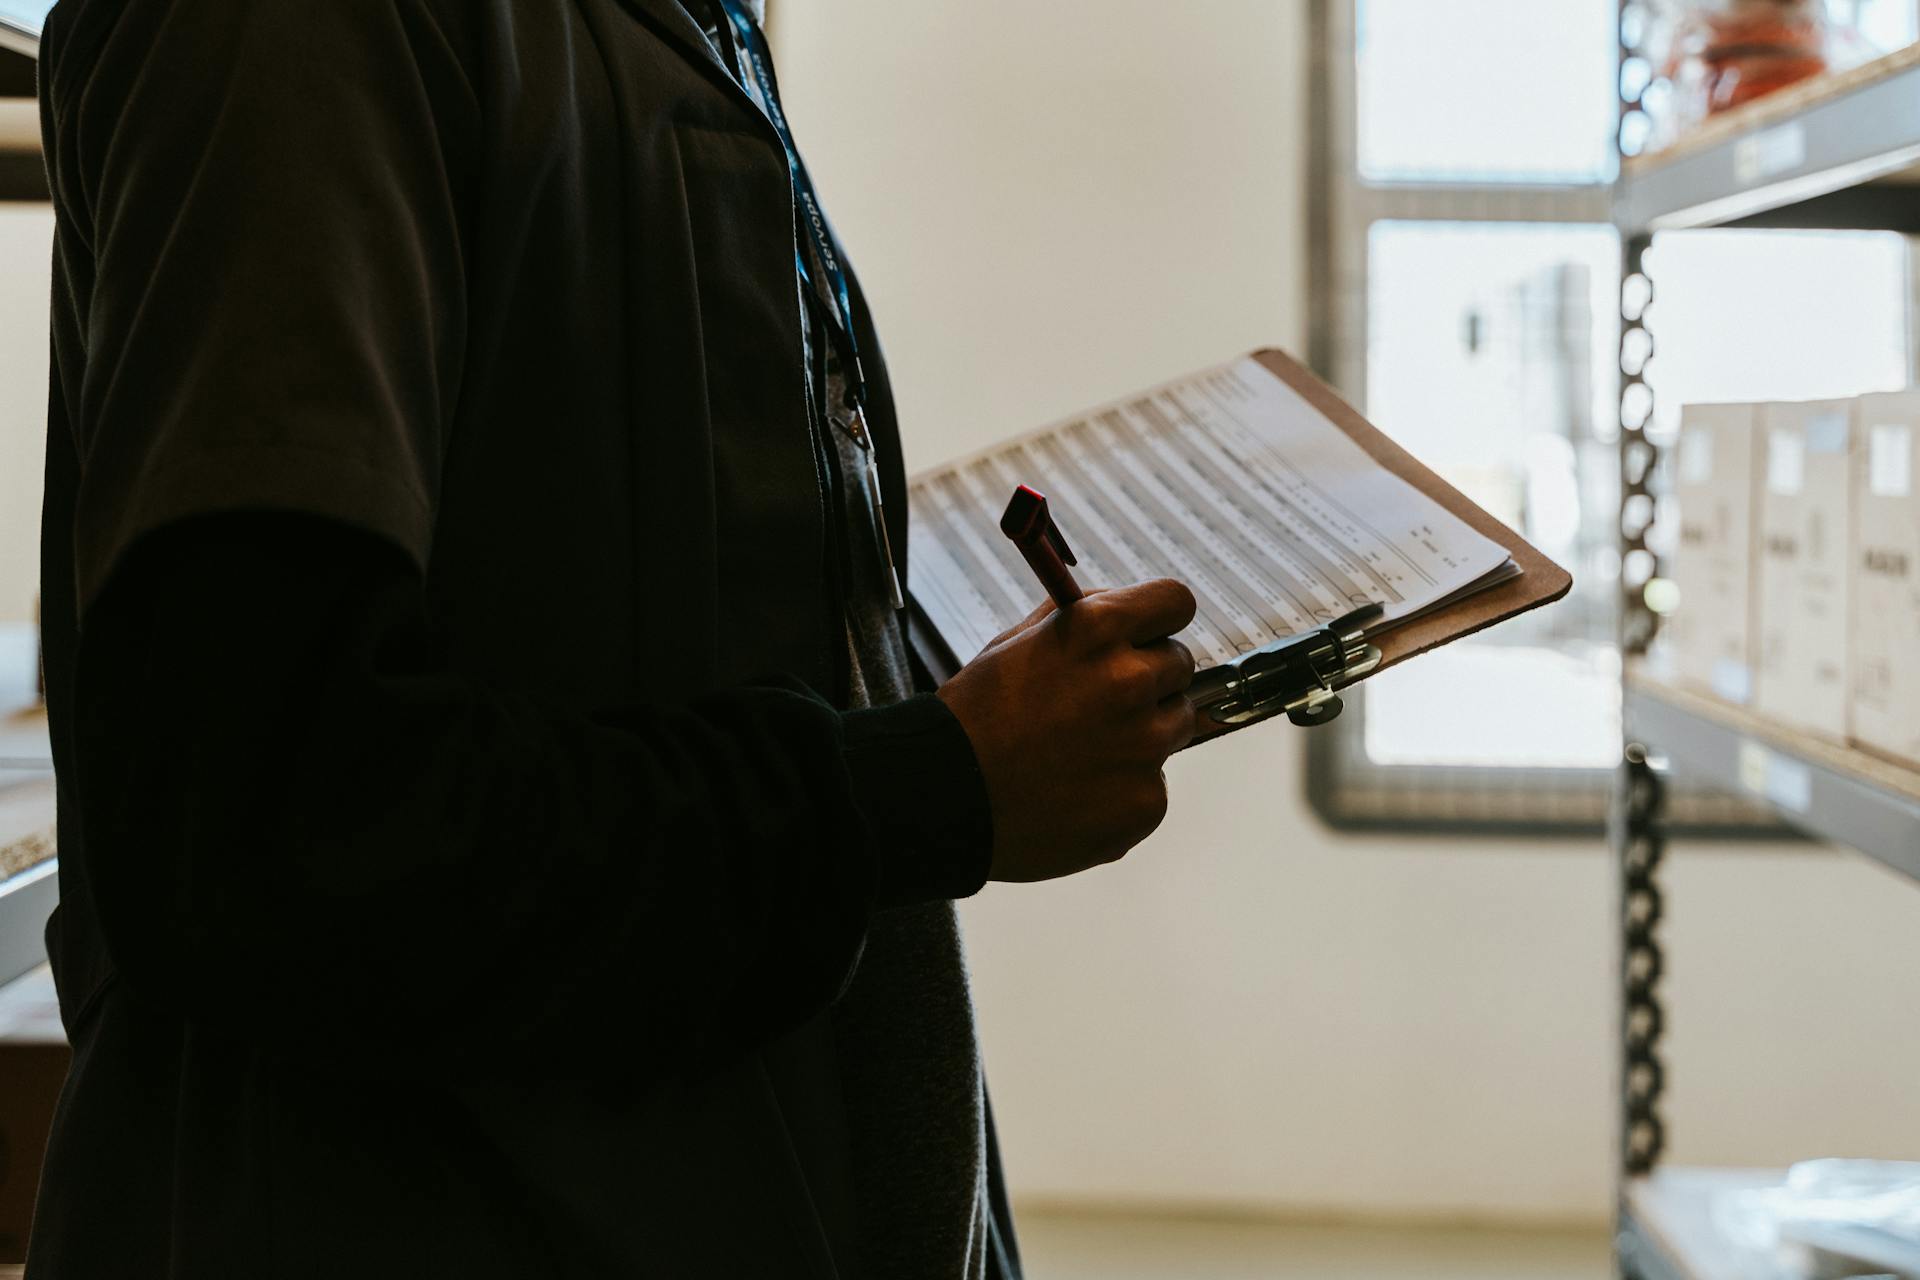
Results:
1753 768
1827 434
1770 153
1890 461
1696 456
1887 563
1786 461
1785 783
1733 681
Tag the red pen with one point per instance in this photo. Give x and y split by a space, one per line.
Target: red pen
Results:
1032 529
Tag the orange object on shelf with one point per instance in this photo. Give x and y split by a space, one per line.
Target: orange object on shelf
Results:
1746 49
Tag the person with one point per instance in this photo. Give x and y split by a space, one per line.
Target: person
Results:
503 830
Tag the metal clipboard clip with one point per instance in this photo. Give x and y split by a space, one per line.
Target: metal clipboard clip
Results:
1301 675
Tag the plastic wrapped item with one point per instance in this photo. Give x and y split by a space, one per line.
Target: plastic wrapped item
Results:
1830 1220
1730 52
1704 57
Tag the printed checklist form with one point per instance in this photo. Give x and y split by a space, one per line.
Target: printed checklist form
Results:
1281 516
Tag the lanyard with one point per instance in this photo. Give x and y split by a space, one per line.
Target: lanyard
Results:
839 298
837 304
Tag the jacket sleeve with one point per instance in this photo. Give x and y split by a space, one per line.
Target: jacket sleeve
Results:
300 819
302 825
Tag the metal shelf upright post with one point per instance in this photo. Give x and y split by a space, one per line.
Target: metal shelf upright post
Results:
1840 152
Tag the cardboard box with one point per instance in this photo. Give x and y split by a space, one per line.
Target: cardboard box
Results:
33 1066
1803 585
1710 633
1885 703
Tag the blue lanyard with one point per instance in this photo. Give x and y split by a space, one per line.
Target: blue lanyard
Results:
838 308
837 305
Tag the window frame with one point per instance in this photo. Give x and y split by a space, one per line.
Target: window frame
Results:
1346 789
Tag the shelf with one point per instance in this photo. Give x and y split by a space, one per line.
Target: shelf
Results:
29 880
1837 151
1671 1228
19 126
1831 792
1667 1227
18 39
25 745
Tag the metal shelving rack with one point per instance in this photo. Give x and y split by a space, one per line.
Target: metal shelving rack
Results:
15 37
1841 152
29 882
29 885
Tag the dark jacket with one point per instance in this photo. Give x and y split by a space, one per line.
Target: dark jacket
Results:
474 925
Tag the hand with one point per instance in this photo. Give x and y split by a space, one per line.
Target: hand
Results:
1072 716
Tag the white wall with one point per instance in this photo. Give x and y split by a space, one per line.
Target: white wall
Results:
26 238
1053 204
1039 227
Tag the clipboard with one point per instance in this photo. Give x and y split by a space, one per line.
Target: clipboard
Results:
1301 677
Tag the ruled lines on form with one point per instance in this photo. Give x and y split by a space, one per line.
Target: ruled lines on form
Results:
1229 481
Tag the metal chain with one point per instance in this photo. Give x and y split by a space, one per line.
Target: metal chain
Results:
1639 456
1640 842
1638 836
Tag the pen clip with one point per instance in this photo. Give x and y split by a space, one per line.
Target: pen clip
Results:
1058 539
1029 519
1031 528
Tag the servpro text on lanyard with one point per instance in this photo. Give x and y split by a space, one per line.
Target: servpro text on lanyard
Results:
837 302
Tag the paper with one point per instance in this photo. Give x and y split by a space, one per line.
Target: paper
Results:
1229 481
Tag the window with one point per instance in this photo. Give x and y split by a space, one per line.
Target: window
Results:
1468 299
1483 346
1438 85
1882 24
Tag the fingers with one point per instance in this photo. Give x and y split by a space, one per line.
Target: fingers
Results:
1045 610
1148 807
1144 612
1165 729
1170 666
1137 677
1042 611
1178 722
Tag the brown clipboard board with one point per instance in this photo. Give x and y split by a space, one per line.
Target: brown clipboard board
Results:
1540 581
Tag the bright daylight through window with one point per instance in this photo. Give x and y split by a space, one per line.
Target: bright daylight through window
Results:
1488 333
1440 88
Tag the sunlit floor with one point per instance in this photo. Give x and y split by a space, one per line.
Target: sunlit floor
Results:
1085 1246
1078 1246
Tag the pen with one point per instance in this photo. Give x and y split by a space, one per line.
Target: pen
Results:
1029 524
